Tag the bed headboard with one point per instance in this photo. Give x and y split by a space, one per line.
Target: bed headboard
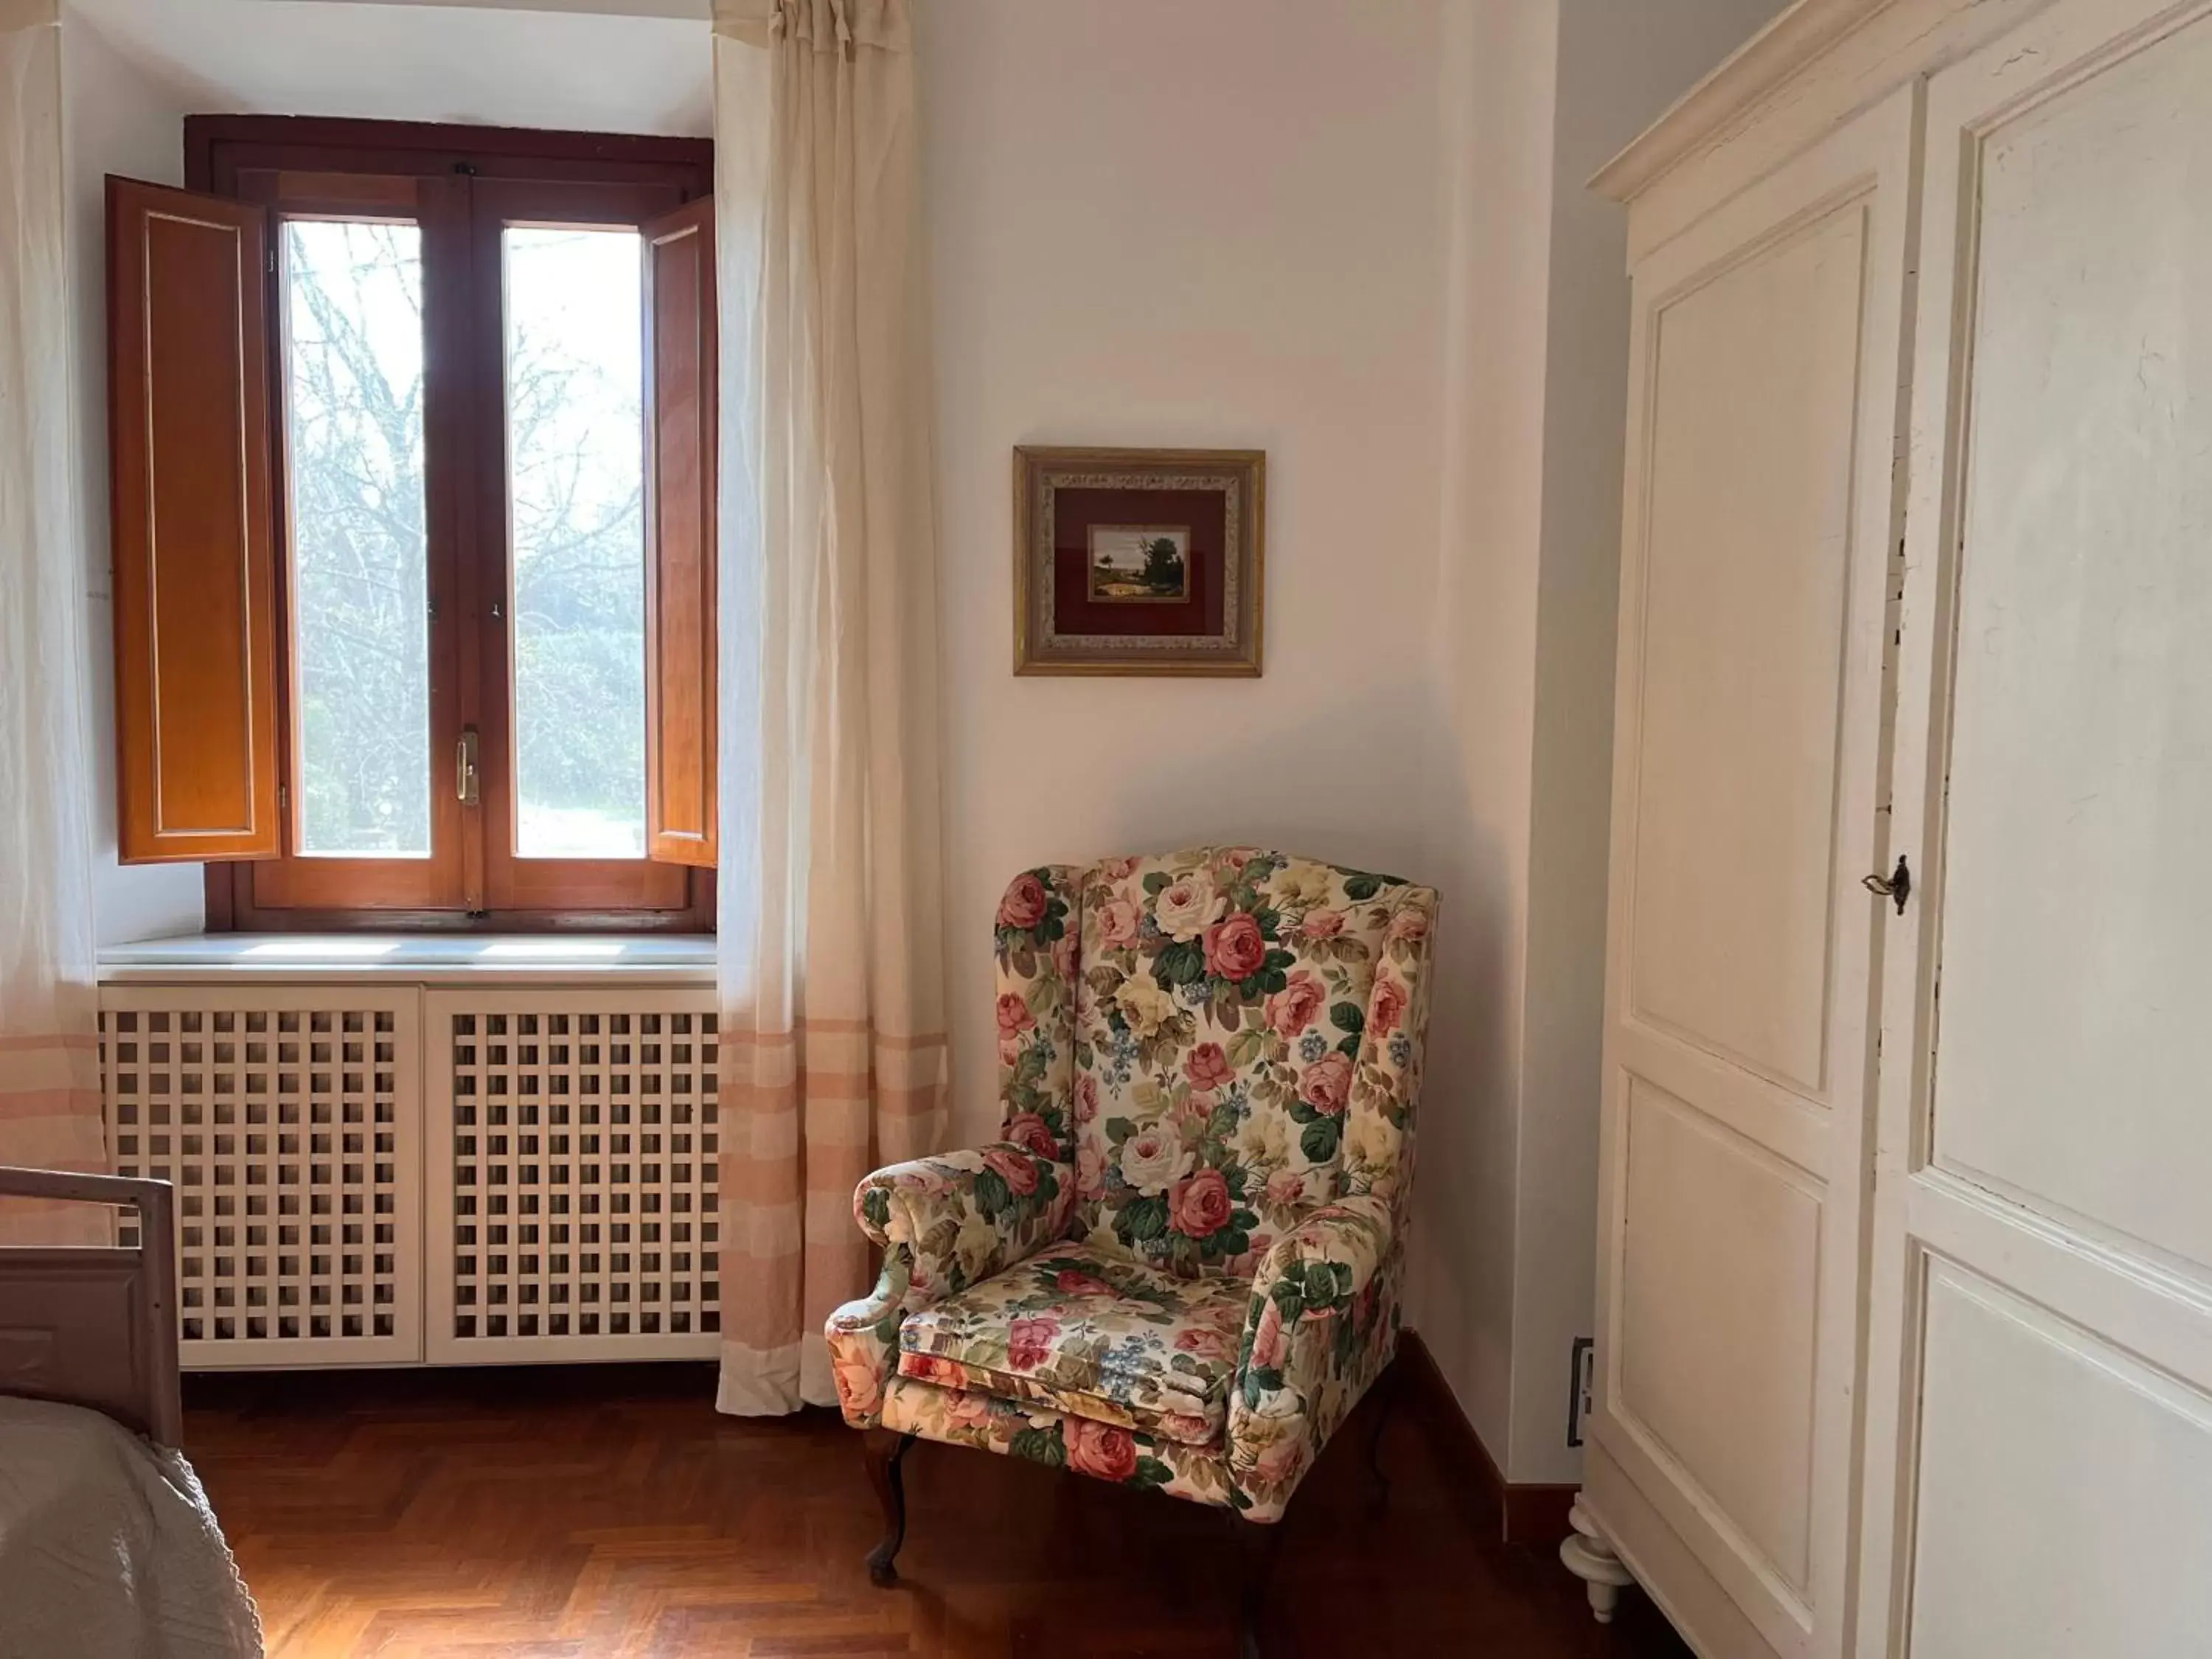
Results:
95 1325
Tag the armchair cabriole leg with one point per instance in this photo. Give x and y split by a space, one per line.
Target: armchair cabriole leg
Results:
882 1449
1257 1547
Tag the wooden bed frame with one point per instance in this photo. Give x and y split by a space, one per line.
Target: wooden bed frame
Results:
92 1325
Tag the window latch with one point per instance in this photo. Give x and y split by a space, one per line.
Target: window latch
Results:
465 767
1898 885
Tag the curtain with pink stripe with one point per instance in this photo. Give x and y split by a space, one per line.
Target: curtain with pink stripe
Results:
48 1063
833 1053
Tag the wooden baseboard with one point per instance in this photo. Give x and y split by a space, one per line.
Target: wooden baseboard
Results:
1530 1514
1537 1513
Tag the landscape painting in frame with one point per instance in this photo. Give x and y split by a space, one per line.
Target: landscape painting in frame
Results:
1138 561
1140 565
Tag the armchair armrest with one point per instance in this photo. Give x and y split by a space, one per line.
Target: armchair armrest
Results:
964 1215
1323 1316
944 1223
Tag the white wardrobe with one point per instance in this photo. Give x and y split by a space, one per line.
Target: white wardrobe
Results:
1905 1234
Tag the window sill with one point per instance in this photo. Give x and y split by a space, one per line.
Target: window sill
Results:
417 958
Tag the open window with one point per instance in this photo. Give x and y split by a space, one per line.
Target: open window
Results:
414 547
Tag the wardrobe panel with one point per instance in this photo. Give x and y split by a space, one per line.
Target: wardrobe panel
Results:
2065 1489
1720 1289
2078 906
1747 551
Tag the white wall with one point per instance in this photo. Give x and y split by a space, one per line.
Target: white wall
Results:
1216 225
1355 236
1619 64
1497 77
118 118
502 63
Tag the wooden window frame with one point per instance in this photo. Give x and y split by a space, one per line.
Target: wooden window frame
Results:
463 180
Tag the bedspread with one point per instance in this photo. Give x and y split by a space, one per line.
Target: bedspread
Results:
108 1547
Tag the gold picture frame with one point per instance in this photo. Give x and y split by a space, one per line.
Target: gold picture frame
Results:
1139 561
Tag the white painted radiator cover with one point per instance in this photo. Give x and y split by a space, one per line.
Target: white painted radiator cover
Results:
462 1168
570 1186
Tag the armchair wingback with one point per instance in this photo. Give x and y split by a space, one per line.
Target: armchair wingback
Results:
1180 1265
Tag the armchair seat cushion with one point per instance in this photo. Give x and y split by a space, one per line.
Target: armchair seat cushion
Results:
1092 1334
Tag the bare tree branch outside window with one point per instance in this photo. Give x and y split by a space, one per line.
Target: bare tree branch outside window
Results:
354 308
353 361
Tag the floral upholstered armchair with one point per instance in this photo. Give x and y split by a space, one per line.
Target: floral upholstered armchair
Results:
1179 1268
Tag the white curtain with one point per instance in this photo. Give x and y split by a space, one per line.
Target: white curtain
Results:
49 1071
833 1053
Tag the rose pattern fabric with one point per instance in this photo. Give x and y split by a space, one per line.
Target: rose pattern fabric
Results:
959 1217
943 1224
1323 1322
1015 1428
863 1337
1225 1031
1096 1336
1037 942
1180 1266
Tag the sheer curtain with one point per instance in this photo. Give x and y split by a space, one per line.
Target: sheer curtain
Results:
833 1053
49 1070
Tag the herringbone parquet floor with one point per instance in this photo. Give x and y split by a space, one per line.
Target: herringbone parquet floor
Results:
605 1512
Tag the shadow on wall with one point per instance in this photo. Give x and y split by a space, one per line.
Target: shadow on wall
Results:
1463 1214
1279 791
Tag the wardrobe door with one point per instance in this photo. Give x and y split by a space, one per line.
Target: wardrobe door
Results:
2040 1434
1764 412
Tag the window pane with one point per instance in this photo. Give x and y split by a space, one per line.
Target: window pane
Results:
576 384
360 585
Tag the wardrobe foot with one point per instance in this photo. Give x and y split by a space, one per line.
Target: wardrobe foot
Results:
1587 1556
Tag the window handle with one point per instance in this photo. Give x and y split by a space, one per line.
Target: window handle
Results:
465 767
1898 885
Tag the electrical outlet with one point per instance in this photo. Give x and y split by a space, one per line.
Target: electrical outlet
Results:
1582 1374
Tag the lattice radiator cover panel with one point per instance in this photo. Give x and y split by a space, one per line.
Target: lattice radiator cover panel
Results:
573 1196
289 1119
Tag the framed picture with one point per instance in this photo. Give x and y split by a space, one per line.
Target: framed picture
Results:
1138 561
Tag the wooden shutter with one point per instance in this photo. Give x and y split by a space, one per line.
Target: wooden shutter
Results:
192 543
680 678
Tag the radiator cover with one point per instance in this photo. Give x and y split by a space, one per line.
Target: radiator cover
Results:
289 1119
377 1173
571 1210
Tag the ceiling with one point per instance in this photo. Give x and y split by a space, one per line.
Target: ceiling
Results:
594 65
